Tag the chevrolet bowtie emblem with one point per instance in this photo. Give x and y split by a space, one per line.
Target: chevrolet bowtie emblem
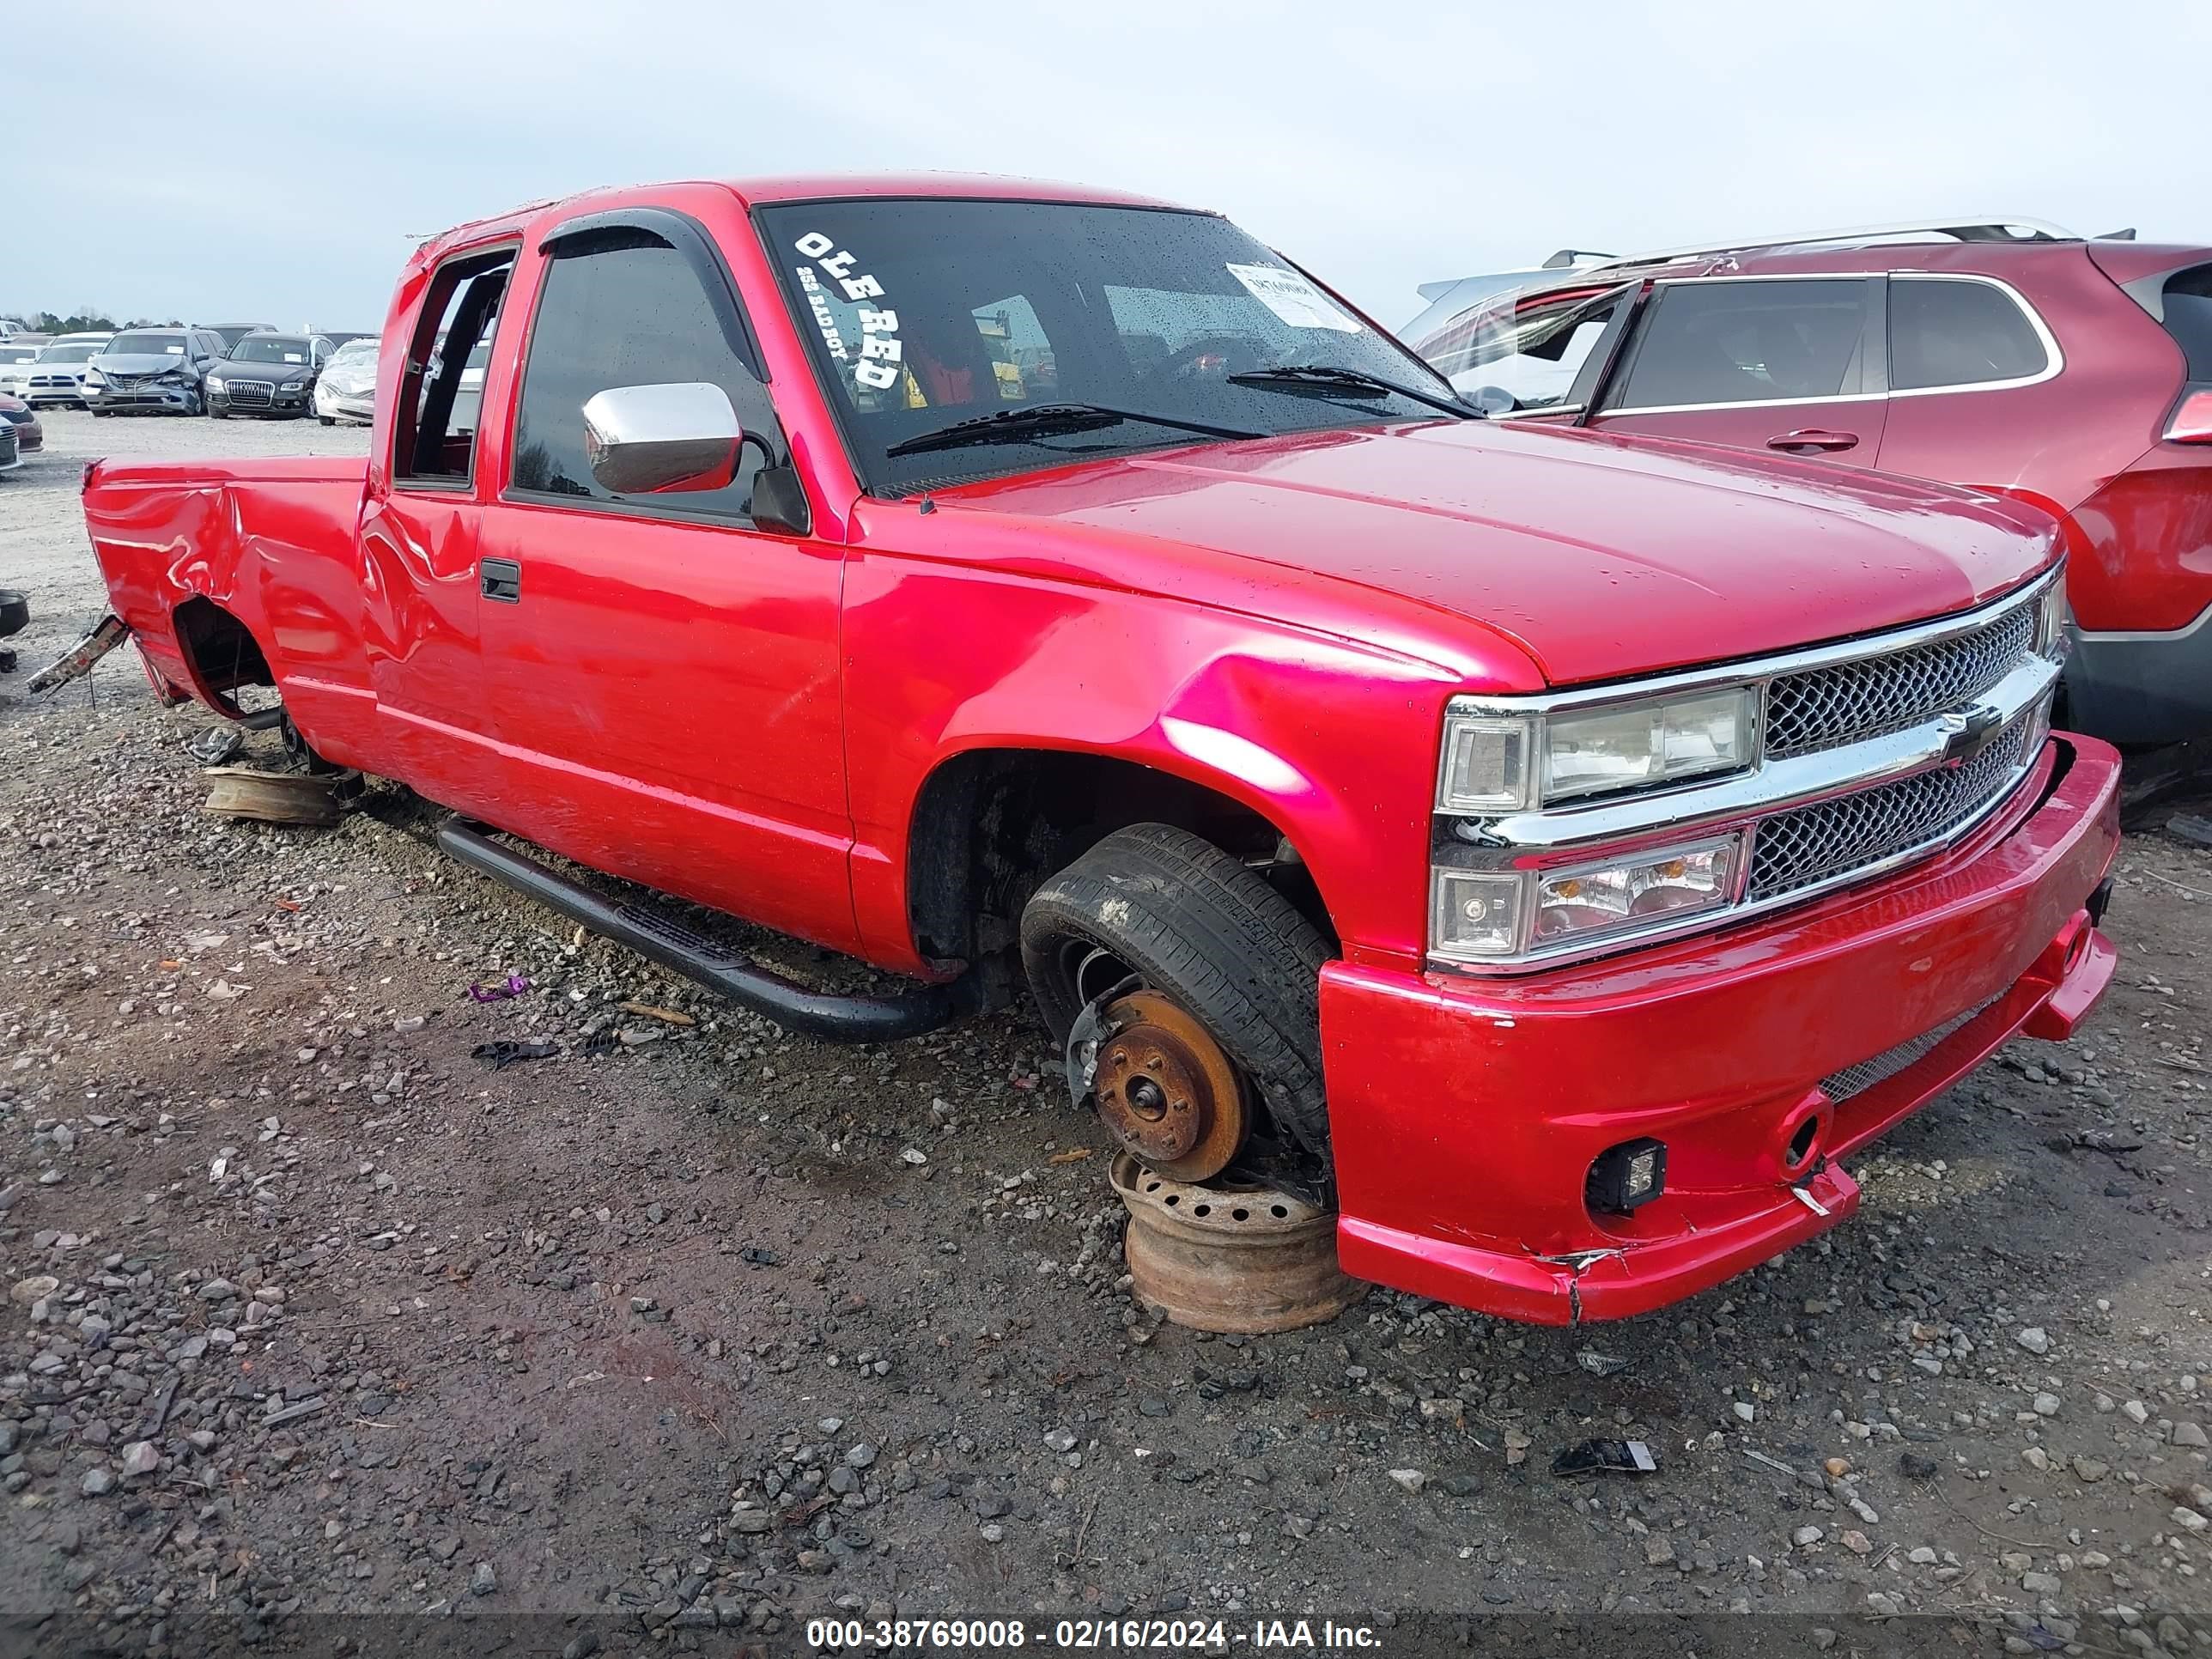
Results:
1967 731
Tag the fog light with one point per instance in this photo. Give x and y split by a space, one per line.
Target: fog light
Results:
1627 1176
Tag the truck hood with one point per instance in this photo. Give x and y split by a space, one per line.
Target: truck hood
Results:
1600 557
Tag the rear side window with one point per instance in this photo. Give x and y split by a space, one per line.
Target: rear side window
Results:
1749 343
2189 318
622 308
1945 332
434 435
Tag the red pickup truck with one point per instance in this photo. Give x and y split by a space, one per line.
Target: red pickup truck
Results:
1561 850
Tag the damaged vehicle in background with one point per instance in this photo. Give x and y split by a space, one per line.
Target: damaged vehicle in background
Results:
2071 373
346 389
152 371
268 374
1560 852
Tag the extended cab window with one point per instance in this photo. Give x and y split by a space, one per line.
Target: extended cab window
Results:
434 439
1094 330
1946 332
1749 342
622 308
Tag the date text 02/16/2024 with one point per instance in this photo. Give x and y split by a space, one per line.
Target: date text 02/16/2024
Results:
978 1635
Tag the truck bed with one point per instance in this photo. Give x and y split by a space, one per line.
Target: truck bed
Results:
268 540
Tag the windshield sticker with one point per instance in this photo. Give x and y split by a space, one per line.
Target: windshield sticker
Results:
881 354
1292 298
819 305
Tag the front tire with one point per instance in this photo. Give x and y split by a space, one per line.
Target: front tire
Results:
1189 921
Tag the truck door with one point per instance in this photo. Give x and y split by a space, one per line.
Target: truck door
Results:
1790 365
418 546
664 669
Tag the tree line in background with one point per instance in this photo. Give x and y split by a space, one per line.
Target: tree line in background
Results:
89 321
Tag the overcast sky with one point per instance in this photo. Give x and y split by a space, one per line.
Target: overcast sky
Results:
250 161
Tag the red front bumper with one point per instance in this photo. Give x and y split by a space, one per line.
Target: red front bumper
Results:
1466 1113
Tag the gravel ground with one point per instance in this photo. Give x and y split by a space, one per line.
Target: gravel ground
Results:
711 1332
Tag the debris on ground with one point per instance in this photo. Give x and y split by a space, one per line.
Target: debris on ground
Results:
295 798
1630 1457
216 746
498 1056
649 1011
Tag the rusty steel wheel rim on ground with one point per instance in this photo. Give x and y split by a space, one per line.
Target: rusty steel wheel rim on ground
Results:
1234 1258
1166 1089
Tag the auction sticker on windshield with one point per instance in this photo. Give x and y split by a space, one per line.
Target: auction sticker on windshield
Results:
1292 298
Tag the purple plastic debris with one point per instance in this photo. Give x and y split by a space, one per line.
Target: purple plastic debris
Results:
515 986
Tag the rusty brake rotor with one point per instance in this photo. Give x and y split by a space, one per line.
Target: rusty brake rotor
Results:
1166 1089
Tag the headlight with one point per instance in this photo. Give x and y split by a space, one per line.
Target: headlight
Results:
2051 620
1495 763
93 377
1481 915
216 383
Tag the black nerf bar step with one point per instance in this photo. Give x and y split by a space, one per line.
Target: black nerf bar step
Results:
670 943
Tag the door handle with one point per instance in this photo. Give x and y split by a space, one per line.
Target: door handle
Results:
1812 442
500 580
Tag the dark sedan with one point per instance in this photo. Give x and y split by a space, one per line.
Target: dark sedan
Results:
23 421
268 374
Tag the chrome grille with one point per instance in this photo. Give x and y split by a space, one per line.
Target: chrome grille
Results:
1798 849
1872 696
9 452
1857 1079
251 394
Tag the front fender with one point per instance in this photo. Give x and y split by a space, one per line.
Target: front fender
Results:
1332 741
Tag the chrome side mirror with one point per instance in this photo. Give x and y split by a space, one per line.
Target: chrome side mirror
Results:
641 440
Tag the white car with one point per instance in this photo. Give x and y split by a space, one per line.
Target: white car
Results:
55 374
16 359
346 391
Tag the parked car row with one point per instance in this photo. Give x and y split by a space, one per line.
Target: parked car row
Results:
2073 374
220 371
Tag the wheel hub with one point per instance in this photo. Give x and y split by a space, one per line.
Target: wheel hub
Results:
1166 1089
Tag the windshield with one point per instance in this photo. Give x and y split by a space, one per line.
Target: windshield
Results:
355 351
81 351
271 349
146 343
923 313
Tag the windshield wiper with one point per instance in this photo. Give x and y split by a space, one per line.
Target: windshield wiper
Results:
1013 425
1321 378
